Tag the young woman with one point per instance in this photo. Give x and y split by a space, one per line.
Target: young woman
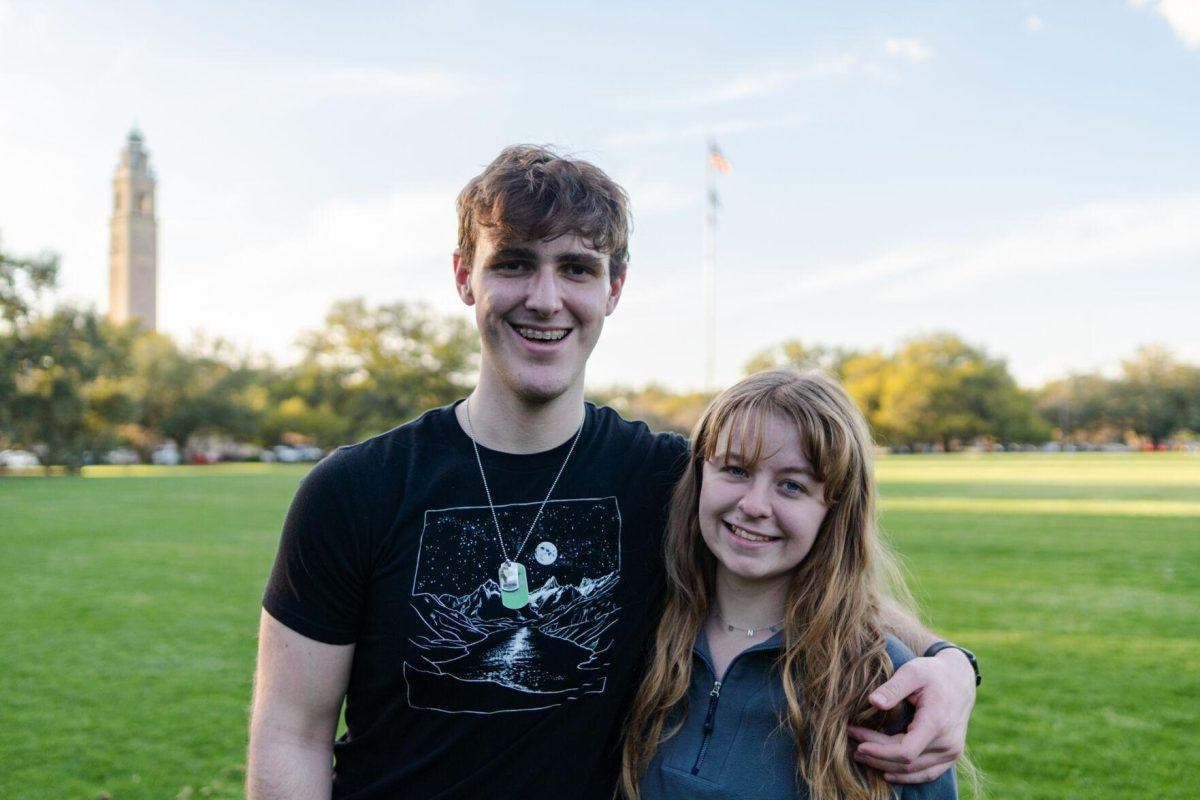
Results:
771 637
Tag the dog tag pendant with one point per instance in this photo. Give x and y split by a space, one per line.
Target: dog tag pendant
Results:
514 588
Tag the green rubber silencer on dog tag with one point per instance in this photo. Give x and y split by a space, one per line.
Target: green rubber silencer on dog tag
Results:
520 597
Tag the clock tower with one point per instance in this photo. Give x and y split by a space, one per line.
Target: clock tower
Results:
133 249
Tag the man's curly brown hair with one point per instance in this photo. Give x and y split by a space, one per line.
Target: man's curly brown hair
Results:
531 193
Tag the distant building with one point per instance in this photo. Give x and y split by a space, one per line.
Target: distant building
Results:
133 250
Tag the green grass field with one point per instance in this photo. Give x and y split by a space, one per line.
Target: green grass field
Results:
129 601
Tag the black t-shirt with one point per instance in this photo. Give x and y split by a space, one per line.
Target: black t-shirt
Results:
390 544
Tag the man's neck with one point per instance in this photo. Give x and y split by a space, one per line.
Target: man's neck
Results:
506 423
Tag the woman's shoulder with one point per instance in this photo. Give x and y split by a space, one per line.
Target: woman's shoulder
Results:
898 651
943 787
900 654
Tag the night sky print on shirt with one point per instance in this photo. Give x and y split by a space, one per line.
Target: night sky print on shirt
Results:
470 654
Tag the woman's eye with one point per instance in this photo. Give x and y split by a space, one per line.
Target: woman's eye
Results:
793 487
737 472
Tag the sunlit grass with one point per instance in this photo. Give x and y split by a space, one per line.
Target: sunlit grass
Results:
1066 469
192 470
130 607
1027 505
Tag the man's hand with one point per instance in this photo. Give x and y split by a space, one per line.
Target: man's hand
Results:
943 690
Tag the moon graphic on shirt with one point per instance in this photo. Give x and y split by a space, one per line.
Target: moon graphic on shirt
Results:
545 553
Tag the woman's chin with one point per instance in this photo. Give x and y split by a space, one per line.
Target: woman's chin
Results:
737 570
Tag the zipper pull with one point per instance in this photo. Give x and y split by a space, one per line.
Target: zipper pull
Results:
713 696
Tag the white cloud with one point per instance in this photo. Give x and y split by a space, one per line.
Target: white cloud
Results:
775 80
909 49
1092 236
1182 15
1184 18
764 82
772 81
25 26
365 80
652 197
744 87
700 130
383 248
1033 23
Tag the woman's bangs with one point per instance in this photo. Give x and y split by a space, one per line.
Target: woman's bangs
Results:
737 429
736 424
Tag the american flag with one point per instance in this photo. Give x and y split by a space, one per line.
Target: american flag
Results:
718 161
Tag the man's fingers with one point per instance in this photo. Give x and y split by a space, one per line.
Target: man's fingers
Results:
859 734
906 681
939 760
904 758
906 747
924 776
880 764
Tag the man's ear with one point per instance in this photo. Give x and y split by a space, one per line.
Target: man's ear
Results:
462 278
614 293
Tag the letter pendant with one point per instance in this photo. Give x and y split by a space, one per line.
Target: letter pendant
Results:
514 588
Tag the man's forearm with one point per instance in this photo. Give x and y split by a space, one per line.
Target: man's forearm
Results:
282 768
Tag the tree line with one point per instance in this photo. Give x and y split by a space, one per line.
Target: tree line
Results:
940 392
73 386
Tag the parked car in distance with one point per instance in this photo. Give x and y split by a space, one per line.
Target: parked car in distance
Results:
122 456
291 453
285 454
308 452
166 455
18 459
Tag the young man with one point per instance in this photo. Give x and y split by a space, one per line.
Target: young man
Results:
479 585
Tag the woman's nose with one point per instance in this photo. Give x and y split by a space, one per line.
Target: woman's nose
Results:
755 502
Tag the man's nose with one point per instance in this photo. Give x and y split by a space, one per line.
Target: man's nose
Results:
544 297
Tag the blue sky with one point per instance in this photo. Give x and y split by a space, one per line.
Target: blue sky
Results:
1024 174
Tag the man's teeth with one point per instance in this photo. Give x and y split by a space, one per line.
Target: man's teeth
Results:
748 536
546 336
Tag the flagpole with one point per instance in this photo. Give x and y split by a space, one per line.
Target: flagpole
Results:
710 269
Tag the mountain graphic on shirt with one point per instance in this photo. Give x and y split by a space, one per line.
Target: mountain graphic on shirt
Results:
468 653
575 613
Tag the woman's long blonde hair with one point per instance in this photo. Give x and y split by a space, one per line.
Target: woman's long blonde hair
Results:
834 652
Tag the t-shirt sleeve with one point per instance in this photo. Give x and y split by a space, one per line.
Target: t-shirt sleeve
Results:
316 586
672 461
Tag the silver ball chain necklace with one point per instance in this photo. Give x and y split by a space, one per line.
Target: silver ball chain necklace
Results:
514 587
748 631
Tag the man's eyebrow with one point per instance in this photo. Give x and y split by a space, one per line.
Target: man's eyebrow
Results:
518 253
523 253
577 257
